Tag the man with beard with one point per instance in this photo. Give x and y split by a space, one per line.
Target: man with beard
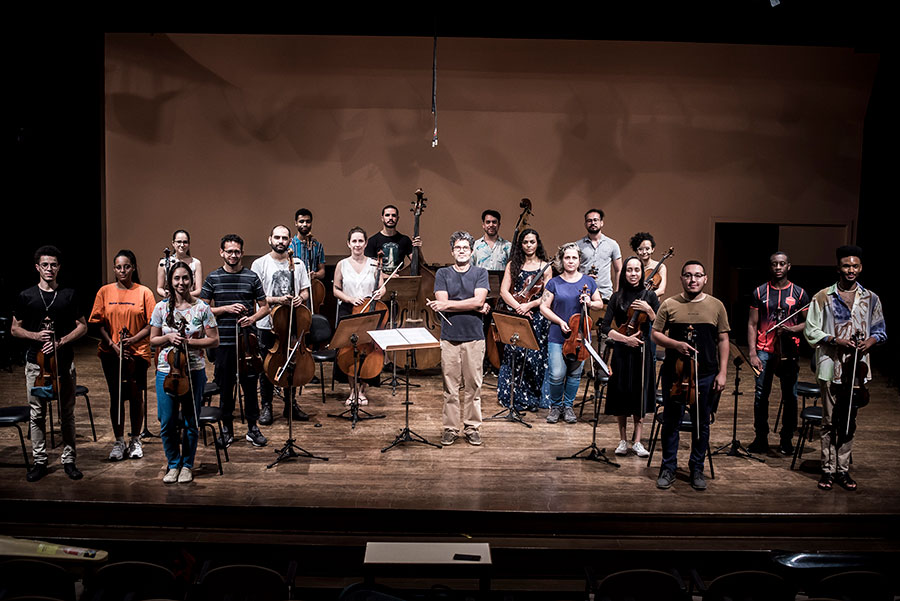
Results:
233 292
491 251
274 270
706 316
770 303
843 318
599 253
395 246
305 247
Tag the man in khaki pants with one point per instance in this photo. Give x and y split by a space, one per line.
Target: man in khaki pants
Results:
460 292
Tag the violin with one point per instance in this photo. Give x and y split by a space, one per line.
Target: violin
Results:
684 387
316 287
373 356
49 374
417 313
178 381
533 288
580 324
247 350
652 277
289 362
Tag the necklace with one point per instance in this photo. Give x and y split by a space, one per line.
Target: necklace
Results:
52 300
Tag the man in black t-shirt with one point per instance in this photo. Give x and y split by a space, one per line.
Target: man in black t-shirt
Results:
697 312
236 296
47 301
459 292
395 246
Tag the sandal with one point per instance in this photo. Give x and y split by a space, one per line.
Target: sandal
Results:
363 400
826 481
349 401
845 481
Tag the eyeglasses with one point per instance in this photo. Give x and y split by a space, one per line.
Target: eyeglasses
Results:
232 252
693 276
458 248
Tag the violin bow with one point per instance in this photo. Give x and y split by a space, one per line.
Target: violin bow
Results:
852 381
237 363
120 404
393 273
789 317
187 355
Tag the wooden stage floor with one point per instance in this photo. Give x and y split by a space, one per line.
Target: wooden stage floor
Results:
511 490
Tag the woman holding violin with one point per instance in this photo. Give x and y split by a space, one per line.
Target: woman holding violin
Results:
122 310
181 242
181 324
632 385
567 300
844 323
643 245
357 279
523 282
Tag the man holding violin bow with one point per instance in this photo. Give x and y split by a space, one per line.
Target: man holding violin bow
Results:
775 350
844 322
34 306
704 362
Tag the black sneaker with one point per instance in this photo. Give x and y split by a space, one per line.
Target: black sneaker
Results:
265 415
256 437
37 471
569 416
73 472
666 479
759 446
786 447
299 414
225 440
698 481
553 416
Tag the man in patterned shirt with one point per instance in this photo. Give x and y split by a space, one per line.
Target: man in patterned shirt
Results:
842 318
491 251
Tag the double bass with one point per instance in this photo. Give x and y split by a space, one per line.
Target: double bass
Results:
417 313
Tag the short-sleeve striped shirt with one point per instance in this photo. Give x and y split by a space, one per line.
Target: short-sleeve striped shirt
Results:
226 288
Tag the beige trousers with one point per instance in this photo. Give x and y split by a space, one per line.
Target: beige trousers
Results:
461 364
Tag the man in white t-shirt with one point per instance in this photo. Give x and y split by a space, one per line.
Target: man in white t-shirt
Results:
274 270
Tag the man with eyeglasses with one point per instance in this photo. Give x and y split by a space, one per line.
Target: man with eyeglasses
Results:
601 257
460 291
236 296
707 316
47 300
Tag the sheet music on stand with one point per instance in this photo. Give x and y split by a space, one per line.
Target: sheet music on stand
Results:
603 366
404 339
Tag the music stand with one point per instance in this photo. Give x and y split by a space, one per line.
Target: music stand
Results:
352 331
401 289
735 448
595 453
406 339
518 331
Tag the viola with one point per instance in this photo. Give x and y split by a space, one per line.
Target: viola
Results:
247 350
177 382
49 374
417 313
580 324
652 277
289 362
684 387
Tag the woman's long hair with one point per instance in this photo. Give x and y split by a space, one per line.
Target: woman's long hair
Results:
517 258
627 292
170 314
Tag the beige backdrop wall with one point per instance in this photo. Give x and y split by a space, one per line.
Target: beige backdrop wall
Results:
224 133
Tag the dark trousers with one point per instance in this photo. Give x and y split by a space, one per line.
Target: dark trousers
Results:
134 393
672 414
225 375
787 371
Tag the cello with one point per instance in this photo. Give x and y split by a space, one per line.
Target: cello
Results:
417 313
289 352
373 356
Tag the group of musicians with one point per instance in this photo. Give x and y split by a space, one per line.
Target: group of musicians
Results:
199 314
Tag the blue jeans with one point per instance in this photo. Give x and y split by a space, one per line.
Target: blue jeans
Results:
786 371
672 414
565 377
167 410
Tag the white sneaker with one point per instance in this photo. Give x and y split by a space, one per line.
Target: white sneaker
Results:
639 449
622 449
118 451
185 475
171 476
135 450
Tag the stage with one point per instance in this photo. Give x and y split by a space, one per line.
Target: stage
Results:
511 492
